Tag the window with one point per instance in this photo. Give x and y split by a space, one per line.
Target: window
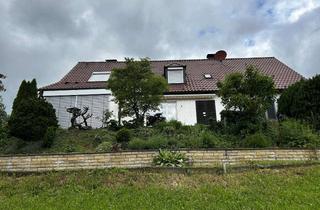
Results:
175 75
168 110
99 76
207 76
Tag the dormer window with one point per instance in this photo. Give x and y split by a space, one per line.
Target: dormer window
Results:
99 76
175 74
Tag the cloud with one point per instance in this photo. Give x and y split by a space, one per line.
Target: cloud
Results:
43 39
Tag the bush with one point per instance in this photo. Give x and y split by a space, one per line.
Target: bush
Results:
211 140
242 123
70 148
296 134
257 140
49 137
106 118
123 136
105 146
144 132
173 125
157 142
167 158
154 119
113 125
302 101
138 144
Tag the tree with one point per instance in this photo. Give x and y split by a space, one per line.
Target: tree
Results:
3 114
1 83
302 101
137 89
31 116
246 96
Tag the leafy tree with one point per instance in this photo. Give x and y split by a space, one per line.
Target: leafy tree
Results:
302 101
137 88
1 83
3 114
31 116
246 97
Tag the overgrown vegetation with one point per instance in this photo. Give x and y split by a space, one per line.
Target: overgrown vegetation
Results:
246 97
32 127
302 101
168 135
31 116
289 188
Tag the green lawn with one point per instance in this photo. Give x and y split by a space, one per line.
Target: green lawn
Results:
290 188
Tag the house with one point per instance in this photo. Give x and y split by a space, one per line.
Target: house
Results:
191 97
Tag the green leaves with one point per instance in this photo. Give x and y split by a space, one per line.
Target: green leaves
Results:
31 116
167 158
249 92
137 88
302 101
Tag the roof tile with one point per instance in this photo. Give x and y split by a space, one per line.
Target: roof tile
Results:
283 75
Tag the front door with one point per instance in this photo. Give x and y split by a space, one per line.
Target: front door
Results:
206 111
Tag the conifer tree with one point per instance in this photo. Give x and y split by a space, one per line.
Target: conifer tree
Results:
31 115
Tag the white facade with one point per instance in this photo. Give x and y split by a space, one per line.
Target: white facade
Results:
177 107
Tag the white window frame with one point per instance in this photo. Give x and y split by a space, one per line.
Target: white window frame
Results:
207 76
99 73
175 69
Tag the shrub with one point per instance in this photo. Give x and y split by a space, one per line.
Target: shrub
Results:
257 140
138 144
241 123
302 101
172 124
211 140
154 119
167 158
157 142
70 148
144 132
113 125
49 136
106 118
105 146
296 134
123 136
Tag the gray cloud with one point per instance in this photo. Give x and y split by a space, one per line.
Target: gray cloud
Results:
43 39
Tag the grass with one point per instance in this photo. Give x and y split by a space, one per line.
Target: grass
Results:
291 188
65 141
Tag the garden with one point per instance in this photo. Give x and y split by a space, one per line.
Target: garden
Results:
33 128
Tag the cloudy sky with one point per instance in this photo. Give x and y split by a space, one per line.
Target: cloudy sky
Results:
44 39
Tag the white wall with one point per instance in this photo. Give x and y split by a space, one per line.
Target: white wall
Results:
186 112
185 105
219 107
97 105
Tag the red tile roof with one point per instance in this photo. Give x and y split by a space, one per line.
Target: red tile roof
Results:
283 75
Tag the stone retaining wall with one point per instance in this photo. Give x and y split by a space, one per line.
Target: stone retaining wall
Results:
136 159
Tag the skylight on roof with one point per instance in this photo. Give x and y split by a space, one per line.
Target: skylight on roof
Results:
207 76
99 76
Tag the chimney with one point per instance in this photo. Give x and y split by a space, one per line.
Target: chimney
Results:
111 60
218 56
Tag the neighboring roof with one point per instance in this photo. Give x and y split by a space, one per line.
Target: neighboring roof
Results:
283 75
